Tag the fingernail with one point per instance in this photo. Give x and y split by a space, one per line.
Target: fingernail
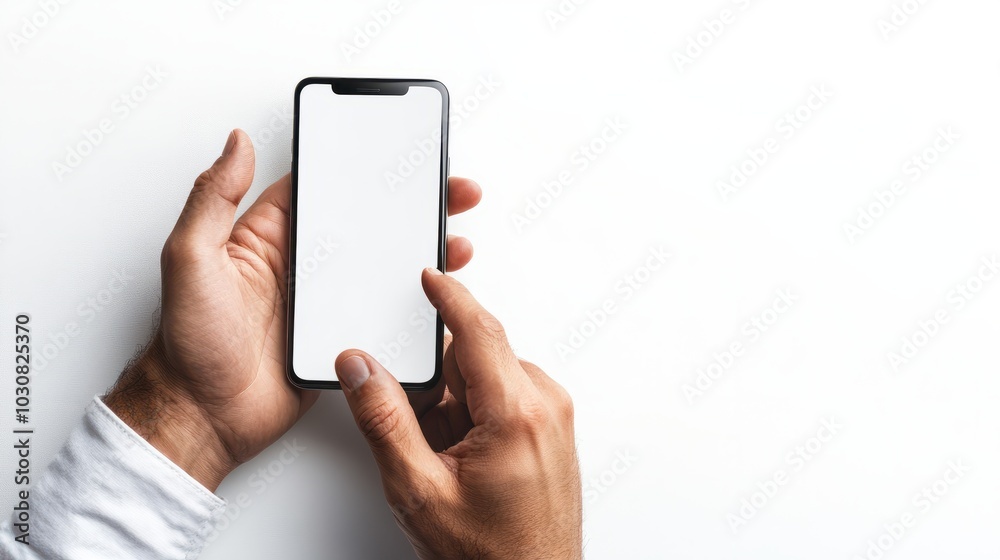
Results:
230 142
353 372
433 271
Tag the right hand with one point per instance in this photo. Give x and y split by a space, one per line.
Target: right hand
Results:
489 470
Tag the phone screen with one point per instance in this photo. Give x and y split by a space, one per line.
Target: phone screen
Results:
368 215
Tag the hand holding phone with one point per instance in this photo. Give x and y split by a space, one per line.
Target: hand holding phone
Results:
486 469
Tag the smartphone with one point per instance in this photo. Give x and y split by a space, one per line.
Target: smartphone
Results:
368 214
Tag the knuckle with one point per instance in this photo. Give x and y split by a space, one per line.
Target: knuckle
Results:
533 418
564 403
529 417
489 329
486 323
378 423
207 178
213 185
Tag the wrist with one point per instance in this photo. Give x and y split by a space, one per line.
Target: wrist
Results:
169 419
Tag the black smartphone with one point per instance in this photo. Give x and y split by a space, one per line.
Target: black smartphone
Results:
368 213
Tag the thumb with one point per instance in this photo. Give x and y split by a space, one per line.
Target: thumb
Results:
384 416
207 218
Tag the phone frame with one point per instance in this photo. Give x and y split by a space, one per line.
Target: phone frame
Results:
366 86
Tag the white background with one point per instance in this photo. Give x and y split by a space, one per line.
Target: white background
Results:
655 186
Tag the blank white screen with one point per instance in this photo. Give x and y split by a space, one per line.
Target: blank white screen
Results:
367 224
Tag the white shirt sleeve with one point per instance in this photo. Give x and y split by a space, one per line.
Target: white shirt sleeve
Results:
109 494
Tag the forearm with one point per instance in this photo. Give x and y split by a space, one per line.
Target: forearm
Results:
168 419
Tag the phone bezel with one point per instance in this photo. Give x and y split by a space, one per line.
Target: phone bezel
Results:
365 86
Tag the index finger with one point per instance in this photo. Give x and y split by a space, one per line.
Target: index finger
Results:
493 376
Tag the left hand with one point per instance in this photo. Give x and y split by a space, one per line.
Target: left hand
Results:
210 390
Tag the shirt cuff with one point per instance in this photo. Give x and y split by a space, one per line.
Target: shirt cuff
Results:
110 494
